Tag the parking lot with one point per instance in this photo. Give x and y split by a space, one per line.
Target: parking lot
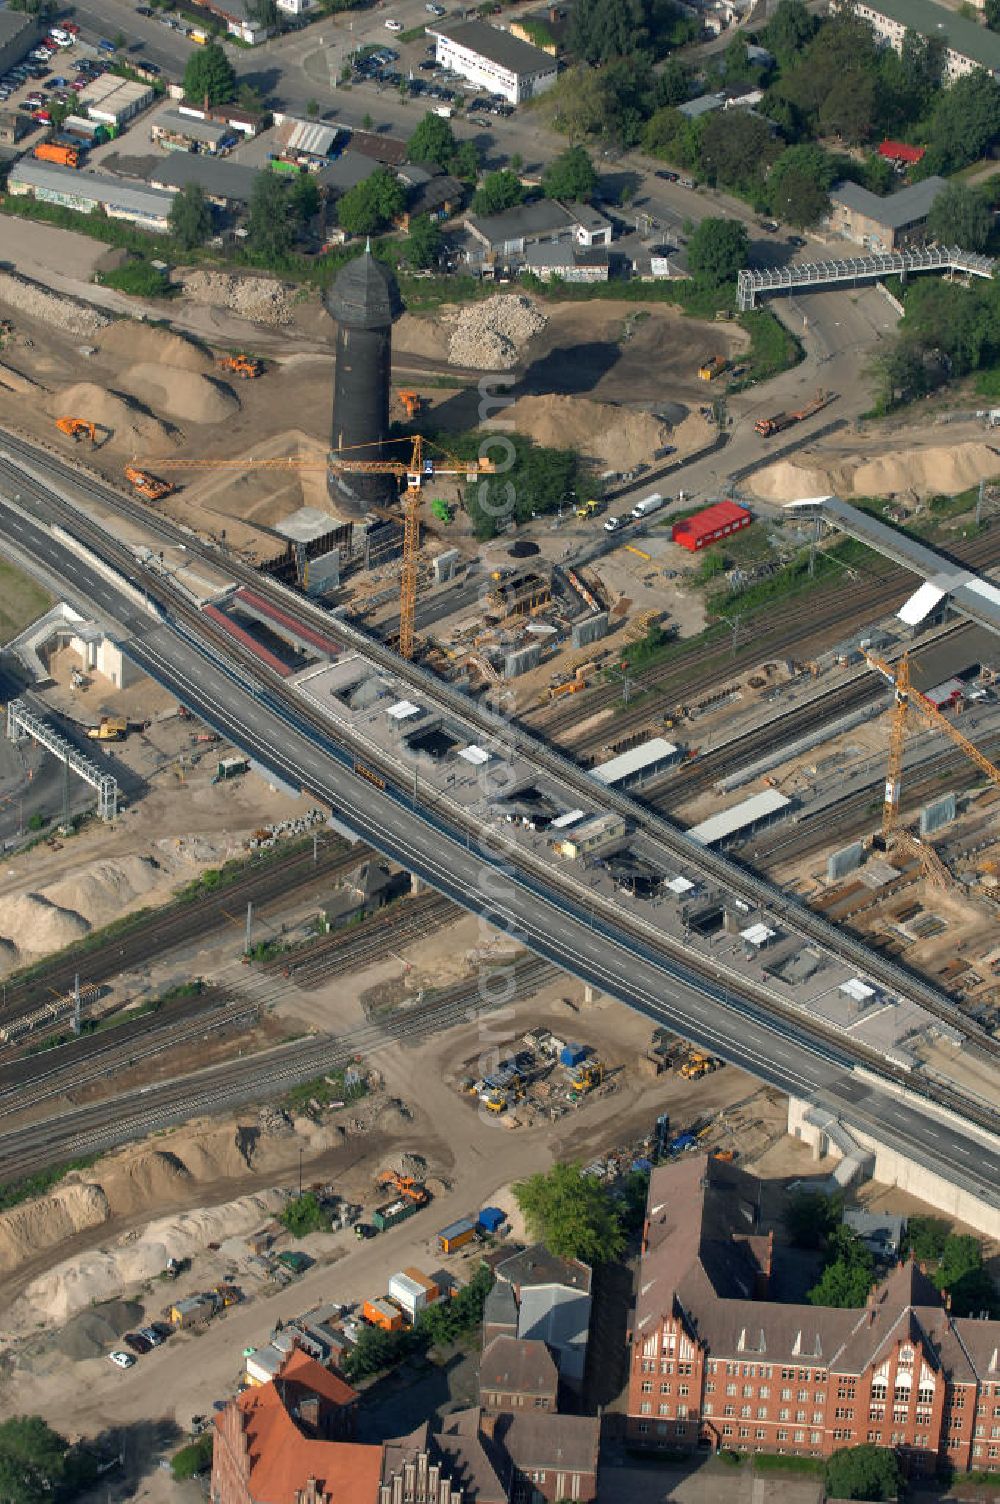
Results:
44 88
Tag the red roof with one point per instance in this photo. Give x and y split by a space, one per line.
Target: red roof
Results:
310 1375
898 151
722 514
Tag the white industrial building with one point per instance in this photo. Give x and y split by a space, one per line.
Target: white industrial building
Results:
494 60
759 809
967 45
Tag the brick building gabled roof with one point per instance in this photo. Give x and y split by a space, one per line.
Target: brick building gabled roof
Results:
301 1375
513 1365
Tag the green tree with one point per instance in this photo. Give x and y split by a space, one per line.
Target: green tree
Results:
571 175
498 191
675 138
799 183
993 14
190 217
209 75
465 163
193 1459
423 244
847 1272
959 216
312 108
811 1218
32 1460
603 29
578 105
865 1472
717 250
264 13
966 119
376 1350
736 149
673 83
571 1213
304 198
249 97
270 230
432 141
372 205
789 31
450 1319
926 1237
304 1214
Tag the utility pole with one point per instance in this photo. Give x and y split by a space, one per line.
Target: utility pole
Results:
814 540
315 848
76 1005
66 792
248 942
979 501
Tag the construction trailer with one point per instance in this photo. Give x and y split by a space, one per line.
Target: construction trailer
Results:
413 1292
383 1313
450 1239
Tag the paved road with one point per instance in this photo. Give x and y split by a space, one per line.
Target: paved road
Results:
554 926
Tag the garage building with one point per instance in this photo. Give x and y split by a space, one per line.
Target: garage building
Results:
710 526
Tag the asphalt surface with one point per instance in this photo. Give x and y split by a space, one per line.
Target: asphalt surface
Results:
554 926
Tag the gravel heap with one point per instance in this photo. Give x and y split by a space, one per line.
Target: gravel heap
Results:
261 299
492 335
50 307
90 1333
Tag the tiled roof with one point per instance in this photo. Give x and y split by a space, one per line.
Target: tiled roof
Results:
312 1376
281 1460
517 1365
537 1266
542 1440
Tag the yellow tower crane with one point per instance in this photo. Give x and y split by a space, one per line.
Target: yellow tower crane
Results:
906 699
420 468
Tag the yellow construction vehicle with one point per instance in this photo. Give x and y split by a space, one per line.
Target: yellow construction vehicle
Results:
246 367
592 508
412 403
712 367
405 1186
111 729
697 1065
148 486
496 1102
78 428
587 1076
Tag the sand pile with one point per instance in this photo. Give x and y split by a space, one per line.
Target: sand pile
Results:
98 1276
35 926
13 381
27 1229
610 436
260 299
131 428
935 470
50 307
92 1332
414 334
138 342
492 335
179 393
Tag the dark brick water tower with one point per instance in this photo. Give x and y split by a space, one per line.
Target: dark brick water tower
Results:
364 300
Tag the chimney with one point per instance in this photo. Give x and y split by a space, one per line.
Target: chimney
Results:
487 1426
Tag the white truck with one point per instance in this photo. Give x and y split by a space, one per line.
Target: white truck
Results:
648 506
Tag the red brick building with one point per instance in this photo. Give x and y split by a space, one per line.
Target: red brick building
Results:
715 1361
516 1374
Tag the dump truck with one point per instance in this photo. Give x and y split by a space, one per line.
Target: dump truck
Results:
111 729
246 367
78 428
592 508
778 422
148 486
51 151
713 366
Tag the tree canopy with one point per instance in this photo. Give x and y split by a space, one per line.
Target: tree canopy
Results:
32 1460
270 229
959 216
498 191
208 74
799 183
717 250
789 30
810 1218
571 1213
864 1472
372 205
539 480
848 1272
571 175
966 118
423 244
432 141
190 217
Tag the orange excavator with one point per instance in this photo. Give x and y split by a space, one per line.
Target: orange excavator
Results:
247 367
412 403
148 486
78 428
404 1185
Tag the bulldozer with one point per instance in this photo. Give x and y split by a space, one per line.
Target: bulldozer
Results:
412 403
246 367
148 486
404 1185
78 428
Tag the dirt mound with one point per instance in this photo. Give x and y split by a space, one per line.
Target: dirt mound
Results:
413 334
928 472
91 1332
605 434
138 342
37 926
26 1229
260 299
131 428
179 393
104 890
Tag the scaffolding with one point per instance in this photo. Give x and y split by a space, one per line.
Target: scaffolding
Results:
23 723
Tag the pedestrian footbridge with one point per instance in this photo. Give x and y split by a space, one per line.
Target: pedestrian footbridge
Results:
812 275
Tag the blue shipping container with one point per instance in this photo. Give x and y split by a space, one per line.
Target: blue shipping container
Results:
572 1054
490 1218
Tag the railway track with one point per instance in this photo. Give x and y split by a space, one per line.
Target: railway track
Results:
335 954
152 933
92 1129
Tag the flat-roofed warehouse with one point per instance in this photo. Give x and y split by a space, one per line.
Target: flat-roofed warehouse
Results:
740 819
494 60
637 765
223 183
88 191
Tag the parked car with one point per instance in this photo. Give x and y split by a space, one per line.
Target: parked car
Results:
137 1342
57 83
612 525
120 1359
43 117
105 46
393 25
668 177
72 28
78 85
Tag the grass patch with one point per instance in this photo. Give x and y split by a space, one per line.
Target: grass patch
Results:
332 1087
772 348
792 580
13 1192
140 279
414 34
766 1462
21 600
195 1458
